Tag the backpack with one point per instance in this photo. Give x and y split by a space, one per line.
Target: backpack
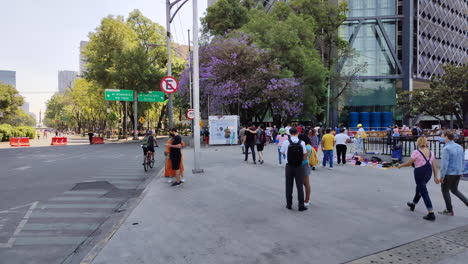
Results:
145 141
263 138
313 159
414 131
295 153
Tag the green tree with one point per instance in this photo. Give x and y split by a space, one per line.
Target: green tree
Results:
225 16
447 95
291 40
10 102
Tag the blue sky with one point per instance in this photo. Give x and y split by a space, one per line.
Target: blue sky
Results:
41 37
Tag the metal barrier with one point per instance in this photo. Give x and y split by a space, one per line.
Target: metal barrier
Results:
385 146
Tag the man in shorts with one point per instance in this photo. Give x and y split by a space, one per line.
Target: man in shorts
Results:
175 155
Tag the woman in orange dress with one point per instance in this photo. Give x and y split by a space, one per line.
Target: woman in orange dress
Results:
169 172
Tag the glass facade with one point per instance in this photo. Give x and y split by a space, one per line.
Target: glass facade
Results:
370 49
363 8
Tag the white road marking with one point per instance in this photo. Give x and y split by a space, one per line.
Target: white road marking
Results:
14 208
20 227
23 168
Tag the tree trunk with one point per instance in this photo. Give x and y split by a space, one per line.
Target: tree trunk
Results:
161 117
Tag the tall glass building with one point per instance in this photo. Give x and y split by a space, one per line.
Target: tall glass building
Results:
402 44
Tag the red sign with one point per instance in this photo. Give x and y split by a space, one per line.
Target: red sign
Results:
169 84
190 114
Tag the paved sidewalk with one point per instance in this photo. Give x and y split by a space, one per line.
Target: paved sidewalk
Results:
235 213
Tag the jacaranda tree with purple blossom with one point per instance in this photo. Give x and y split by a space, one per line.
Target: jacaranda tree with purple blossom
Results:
236 77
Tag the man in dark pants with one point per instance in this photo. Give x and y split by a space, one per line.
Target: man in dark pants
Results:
249 140
90 135
341 148
451 171
294 169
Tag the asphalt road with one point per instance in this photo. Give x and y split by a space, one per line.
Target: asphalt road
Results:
55 202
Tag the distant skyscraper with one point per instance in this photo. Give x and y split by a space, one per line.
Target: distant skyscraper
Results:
66 79
8 77
82 60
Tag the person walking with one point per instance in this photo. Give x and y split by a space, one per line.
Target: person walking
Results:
249 141
274 133
287 128
328 144
260 142
280 139
175 155
451 171
241 138
341 139
296 152
306 167
423 161
314 140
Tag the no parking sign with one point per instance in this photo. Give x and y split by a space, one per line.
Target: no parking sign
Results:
169 84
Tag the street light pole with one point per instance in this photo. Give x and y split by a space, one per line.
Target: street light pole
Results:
169 58
196 91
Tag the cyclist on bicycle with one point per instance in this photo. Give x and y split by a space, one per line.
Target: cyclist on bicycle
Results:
148 145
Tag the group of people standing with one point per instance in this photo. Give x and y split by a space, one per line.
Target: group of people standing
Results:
297 149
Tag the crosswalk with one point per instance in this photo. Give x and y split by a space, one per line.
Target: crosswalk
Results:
71 217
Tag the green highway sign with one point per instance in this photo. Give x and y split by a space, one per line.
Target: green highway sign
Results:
127 95
152 96
118 95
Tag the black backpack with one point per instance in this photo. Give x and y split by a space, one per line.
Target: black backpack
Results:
414 131
295 153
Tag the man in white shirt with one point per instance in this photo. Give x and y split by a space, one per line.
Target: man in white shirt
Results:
287 128
294 169
341 148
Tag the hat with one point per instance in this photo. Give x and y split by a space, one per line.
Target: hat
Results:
282 130
359 125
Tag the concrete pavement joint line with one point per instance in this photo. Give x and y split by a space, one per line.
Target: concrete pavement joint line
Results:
20 227
92 254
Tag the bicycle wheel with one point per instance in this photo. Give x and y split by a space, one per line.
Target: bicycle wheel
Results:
151 163
145 164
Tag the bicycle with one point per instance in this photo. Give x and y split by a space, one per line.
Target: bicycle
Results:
149 162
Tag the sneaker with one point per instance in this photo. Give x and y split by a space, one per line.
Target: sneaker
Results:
302 208
182 180
330 168
175 184
411 206
170 181
289 207
255 162
306 204
429 217
323 167
445 212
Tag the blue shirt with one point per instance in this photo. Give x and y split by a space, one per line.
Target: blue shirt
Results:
309 149
452 162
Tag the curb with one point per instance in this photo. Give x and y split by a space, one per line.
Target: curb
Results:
94 252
